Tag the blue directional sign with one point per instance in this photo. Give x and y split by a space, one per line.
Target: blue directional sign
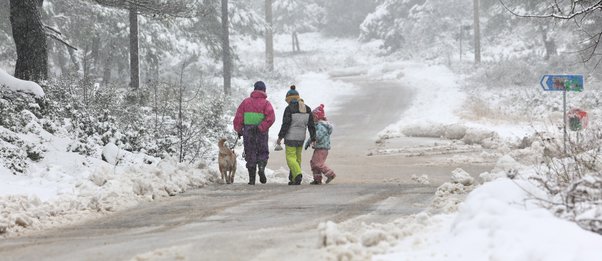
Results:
567 83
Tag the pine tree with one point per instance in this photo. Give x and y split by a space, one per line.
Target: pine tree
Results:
152 8
30 40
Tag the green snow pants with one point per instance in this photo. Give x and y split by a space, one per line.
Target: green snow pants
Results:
293 159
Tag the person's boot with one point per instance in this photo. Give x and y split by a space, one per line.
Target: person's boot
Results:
330 178
261 172
251 175
297 180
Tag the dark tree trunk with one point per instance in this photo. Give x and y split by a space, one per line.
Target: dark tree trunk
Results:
62 60
106 74
227 60
269 37
73 57
551 49
296 47
134 61
86 62
95 56
548 43
153 68
30 40
477 32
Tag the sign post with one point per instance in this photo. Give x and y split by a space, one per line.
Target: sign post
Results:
563 83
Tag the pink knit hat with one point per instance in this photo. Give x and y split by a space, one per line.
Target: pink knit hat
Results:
319 112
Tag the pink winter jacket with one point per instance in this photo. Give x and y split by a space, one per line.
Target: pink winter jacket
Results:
254 110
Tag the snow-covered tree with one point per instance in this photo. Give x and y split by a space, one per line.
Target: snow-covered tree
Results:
424 24
100 39
296 16
343 17
152 8
582 14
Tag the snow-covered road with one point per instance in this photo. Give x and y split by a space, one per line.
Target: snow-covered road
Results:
273 221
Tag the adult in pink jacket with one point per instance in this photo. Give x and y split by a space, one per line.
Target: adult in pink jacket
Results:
253 119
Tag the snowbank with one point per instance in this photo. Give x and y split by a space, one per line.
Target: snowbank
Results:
15 84
61 186
499 221
53 193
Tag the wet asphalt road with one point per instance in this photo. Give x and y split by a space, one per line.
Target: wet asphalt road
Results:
262 222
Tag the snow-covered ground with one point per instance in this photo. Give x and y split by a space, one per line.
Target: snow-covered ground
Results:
59 186
499 220
502 219
65 187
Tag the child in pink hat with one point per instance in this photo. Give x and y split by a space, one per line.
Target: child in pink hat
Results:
321 147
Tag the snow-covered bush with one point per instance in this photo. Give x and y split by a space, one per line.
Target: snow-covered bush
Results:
573 182
146 121
19 112
510 72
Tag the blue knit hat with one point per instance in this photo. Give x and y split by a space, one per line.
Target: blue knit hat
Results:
259 85
292 94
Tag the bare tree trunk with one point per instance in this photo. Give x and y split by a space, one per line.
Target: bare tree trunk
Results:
62 60
108 62
180 114
94 55
30 40
153 67
86 62
296 47
477 33
227 60
269 37
134 59
548 43
74 60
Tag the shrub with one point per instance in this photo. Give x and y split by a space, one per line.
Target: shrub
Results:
574 180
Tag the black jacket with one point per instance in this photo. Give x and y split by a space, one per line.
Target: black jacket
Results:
294 124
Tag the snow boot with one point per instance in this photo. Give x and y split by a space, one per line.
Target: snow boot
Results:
251 175
297 180
315 182
261 172
329 179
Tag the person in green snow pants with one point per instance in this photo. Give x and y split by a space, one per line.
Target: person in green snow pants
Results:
296 121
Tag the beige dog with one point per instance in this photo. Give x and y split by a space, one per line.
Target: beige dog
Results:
227 162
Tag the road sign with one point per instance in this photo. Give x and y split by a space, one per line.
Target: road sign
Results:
562 83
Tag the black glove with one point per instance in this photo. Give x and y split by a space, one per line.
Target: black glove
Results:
239 134
307 143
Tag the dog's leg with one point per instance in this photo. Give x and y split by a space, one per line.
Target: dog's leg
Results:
221 171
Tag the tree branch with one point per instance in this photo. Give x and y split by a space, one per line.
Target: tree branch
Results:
154 8
55 34
558 15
